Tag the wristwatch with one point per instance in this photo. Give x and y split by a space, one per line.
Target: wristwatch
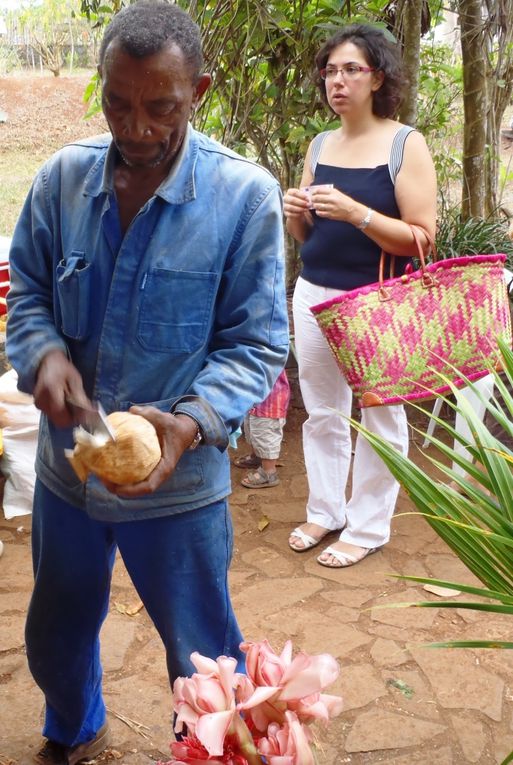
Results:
198 438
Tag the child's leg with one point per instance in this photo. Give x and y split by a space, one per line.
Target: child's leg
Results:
266 438
247 460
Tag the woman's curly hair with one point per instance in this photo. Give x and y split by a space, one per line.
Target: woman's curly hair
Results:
380 53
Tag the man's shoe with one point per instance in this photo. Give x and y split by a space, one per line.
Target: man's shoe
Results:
53 753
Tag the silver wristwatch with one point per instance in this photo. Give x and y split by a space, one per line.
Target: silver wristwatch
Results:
198 438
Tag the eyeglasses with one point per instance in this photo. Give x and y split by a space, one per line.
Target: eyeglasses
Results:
349 71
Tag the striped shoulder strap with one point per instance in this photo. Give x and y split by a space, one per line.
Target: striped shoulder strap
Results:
317 144
397 151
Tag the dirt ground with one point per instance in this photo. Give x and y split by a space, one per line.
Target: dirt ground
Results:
404 703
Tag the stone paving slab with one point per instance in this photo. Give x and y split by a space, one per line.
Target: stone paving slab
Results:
404 704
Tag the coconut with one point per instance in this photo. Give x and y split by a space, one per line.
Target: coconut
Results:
130 458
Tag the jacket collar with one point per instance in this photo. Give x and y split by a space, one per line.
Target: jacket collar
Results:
179 186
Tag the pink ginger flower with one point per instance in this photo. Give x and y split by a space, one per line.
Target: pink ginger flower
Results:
288 744
206 703
284 683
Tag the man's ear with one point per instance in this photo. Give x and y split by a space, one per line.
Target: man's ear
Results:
200 89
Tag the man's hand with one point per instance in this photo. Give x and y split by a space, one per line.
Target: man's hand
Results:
56 380
175 433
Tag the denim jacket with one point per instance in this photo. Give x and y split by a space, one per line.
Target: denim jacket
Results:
185 312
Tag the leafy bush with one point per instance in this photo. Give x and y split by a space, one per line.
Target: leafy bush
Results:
9 59
474 236
440 113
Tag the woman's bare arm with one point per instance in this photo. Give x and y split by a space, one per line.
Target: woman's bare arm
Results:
295 205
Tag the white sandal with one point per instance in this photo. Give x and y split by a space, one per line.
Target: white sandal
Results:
344 559
306 539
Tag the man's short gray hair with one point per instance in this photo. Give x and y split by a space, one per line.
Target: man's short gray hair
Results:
147 26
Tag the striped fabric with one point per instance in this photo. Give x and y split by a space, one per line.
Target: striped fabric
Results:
395 159
277 402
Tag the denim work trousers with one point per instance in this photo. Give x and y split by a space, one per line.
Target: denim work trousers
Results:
179 566
365 518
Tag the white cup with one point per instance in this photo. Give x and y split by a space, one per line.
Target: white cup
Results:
308 189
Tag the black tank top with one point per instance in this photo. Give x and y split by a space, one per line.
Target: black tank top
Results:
337 254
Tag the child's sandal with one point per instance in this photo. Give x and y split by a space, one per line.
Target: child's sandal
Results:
260 479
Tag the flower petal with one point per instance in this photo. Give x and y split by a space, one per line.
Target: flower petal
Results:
211 730
260 694
334 704
286 654
298 741
207 694
226 671
307 675
203 664
243 687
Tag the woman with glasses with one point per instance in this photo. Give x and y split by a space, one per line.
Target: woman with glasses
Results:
362 185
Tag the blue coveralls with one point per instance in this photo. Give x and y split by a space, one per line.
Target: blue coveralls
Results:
187 313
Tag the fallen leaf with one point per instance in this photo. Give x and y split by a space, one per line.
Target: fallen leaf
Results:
263 523
129 610
443 592
405 689
132 610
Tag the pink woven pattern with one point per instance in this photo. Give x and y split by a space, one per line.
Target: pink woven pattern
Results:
394 348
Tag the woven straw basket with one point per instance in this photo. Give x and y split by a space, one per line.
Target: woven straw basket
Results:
393 340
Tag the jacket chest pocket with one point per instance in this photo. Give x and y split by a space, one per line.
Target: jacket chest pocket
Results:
175 308
74 295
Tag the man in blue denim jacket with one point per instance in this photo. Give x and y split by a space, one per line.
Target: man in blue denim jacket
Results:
147 274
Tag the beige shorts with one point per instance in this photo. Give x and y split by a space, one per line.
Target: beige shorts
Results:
265 435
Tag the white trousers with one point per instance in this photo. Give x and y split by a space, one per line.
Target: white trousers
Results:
365 518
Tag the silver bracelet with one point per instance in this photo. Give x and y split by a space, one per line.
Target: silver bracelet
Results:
365 222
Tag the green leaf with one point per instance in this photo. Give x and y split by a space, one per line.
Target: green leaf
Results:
477 523
405 689
497 644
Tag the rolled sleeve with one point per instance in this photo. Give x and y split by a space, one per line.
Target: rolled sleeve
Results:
212 426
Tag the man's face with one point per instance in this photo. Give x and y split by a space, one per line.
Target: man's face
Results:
147 103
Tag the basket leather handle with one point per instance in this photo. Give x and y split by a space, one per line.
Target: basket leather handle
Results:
427 279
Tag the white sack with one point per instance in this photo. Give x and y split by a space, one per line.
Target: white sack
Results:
20 424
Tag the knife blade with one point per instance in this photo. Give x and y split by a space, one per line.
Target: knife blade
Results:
91 417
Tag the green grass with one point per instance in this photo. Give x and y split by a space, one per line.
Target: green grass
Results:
16 175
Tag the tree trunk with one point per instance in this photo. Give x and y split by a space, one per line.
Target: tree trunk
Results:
500 88
411 21
475 101
72 48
